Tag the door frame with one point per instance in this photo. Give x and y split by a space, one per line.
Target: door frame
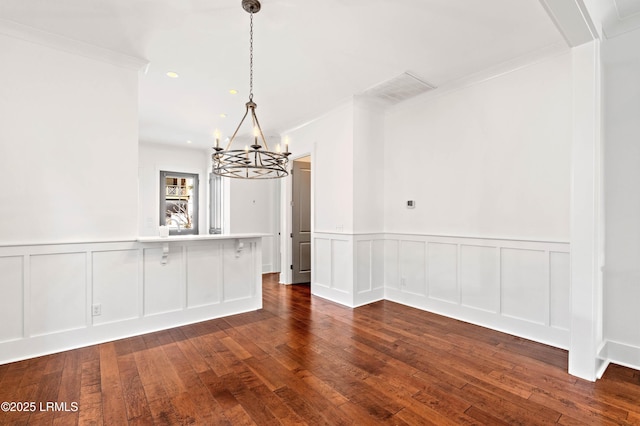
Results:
286 221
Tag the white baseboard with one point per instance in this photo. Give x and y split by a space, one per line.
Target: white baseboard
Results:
32 347
368 297
621 354
332 294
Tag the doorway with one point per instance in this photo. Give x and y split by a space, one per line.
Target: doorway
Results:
301 221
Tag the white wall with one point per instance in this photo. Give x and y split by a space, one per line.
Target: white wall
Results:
368 173
622 185
254 208
488 160
153 159
68 143
252 205
346 148
332 164
329 140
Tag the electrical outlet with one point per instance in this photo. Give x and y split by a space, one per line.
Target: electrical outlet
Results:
403 282
96 309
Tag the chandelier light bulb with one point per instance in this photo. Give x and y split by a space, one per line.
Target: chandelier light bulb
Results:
217 135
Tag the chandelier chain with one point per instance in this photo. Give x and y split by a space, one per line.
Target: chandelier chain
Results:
255 161
251 57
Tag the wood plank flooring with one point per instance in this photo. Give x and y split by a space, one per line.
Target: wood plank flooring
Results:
304 360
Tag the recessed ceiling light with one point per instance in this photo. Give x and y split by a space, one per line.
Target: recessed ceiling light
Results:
233 91
172 74
189 142
223 115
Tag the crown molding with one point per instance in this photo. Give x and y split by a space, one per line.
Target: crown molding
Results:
573 21
69 45
342 104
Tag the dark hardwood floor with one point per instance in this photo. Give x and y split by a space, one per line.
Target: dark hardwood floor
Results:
304 360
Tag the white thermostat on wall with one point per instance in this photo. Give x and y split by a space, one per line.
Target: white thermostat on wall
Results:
411 204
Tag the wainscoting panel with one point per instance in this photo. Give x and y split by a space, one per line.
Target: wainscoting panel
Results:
377 266
341 267
58 293
413 267
321 262
239 271
163 282
480 278
12 301
560 290
443 272
116 285
525 288
370 268
48 290
348 268
518 287
363 266
333 267
391 264
204 274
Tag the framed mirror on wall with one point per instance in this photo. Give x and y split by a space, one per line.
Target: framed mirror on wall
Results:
179 202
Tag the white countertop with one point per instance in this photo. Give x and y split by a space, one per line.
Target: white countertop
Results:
200 237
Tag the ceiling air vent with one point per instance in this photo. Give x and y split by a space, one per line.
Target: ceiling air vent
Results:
398 89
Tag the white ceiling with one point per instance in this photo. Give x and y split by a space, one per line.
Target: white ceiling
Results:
309 55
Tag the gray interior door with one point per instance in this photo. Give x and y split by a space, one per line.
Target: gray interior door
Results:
301 237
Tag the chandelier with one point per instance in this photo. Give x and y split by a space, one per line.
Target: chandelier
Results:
255 161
